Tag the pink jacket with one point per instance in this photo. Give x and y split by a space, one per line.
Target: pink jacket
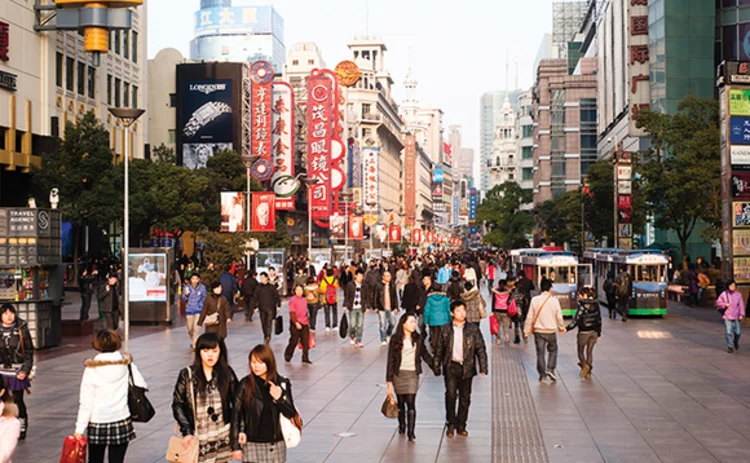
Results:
733 303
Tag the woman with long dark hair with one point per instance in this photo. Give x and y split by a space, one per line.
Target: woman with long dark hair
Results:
203 400
263 395
405 351
16 359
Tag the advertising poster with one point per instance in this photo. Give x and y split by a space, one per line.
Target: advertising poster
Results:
473 203
741 242
741 185
740 156
319 257
207 108
624 172
342 254
267 258
236 20
742 269
410 179
148 280
371 254
370 176
282 149
430 237
625 187
264 212
233 212
356 228
394 234
261 75
739 130
455 210
739 103
338 226
319 136
416 235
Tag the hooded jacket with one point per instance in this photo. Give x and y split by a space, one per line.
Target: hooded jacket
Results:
437 310
14 358
587 317
473 302
104 389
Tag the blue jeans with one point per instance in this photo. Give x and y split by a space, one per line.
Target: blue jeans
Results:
386 323
732 332
356 324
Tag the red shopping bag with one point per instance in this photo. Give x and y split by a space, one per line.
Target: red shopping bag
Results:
312 343
494 325
74 450
512 308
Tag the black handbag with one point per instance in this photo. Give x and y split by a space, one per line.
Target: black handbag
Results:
344 326
279 325
141 410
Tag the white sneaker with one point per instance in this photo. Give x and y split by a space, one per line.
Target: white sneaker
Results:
351 341
335 328
383 343
328 330
388 339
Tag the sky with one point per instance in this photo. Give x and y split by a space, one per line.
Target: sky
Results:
459 49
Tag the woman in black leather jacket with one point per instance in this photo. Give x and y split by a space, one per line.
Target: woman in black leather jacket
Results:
262 396
213 390
16 359
588 320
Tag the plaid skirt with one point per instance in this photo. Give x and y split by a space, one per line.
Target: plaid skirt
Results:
117 433
263 452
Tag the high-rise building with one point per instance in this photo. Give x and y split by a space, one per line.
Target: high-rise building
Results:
162 92
238 33
464 168
502 165
733 39
489 110
567 17
47 80
525 143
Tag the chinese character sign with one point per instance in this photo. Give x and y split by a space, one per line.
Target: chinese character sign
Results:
4 41
638 62
370 177
261 74
319 135
473 200
282 145
410 179
456 212
264 212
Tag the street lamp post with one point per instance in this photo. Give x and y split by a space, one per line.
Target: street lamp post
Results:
248 160
347 198
126 116
371 206
388 211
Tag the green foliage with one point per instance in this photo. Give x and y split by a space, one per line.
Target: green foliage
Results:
561 218
163 154
501 212
681 173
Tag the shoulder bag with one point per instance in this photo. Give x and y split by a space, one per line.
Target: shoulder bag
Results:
290 429
389 409
211 320
722 299
176 453
536 317
141 410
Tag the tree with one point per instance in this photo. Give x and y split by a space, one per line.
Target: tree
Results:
501 212
82 169
561 218
163 154
681 172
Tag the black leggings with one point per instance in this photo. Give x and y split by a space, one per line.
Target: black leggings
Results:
18 400
406 402
116 453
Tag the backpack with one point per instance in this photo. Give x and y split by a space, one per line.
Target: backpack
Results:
623 285
330 291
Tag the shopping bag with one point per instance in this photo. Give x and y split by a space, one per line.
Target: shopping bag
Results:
494 325
512 308
279 325
311 344
74 450
344 326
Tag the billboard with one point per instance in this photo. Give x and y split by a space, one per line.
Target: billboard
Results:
739 102
232 211
264 212
282 150
356 228
267 258
473 203
739 130
370 175
319 140
238 20
410 179
148 280
740 185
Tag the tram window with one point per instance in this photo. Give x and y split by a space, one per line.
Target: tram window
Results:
565 275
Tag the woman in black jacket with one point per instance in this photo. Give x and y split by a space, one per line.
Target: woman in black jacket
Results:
261 397
16 359
588 320
405 351
410 298
208 386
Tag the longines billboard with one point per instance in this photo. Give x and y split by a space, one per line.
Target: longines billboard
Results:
209 111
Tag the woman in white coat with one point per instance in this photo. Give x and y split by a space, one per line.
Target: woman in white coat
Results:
103 413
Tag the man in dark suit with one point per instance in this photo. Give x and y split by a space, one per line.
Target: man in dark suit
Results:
108 295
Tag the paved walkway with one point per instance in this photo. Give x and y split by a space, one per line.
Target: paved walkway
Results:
662 390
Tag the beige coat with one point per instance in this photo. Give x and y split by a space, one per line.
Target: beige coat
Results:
549 320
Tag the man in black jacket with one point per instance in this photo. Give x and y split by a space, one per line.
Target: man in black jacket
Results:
108 295
85 283
386 306
269 303
460 346
249 285
354 304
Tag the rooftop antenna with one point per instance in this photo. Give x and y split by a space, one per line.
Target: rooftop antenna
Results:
516 70
367 18
507 70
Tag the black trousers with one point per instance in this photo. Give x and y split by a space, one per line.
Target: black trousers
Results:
111 320
116 453
249 307
332 309
266 321
22 413
295 337
623 306
85 305
312 314
457 387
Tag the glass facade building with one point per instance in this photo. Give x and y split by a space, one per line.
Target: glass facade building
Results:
681 51
732 30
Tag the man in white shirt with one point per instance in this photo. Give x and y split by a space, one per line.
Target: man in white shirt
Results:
544 321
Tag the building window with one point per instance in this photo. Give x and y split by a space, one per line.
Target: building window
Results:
125 44
171 136
70 73
109 89
125 94
135 96
59 69
134 41
92 82
558 169
365 110
81 78
527 174
172 100
311 62
528 131
117 93
295 62
527 152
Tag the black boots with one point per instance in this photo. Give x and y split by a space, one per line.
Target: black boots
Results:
401 421
411 422
24 427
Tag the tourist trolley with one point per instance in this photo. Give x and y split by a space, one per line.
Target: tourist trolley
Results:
568 274
647 268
